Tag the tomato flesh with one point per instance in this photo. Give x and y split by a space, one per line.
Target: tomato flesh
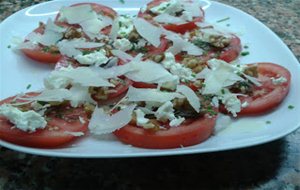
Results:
268 95
232 51
45 138
180 28
187 134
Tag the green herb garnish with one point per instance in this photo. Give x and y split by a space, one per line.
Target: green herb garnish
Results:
224 19
268 122
122 1
244 53
28 86
291 107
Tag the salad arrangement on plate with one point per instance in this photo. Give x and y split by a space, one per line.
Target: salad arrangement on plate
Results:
155 80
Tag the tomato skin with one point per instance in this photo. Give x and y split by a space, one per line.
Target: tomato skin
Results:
143 85
180 28
164 44
184 135
274 95
42 57
232 51
43 138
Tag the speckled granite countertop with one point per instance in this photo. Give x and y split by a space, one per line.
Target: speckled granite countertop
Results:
274 165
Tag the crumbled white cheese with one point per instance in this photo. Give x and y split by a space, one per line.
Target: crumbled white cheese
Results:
278 81
140 118
171 7
141 43
231 102
25 121
125 25
123 44
245 104
96 58
177 69
166 112
176 121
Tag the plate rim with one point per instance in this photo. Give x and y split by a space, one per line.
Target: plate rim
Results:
159 152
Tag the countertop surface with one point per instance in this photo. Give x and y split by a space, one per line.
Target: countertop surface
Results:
274 165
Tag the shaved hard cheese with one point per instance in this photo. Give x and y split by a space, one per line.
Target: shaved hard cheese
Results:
80 95
115 71
220 75
193 8
78 14
85 76
148 31
166 18
92 27
152 95
122 55
190 95
71 48
179 44
51 35
114 29
103 123
54 95
149 72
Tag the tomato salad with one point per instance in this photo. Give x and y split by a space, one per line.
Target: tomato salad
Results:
158 80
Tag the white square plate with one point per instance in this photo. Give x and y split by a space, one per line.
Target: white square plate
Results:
17 72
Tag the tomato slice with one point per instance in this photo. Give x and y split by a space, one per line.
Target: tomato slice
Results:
268 95
232 51
56 132
189 133
181 28
39 54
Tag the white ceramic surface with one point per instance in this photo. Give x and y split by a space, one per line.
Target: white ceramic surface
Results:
17 71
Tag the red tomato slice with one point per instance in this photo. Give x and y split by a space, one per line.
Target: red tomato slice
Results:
269 95
187 134
46 138
164 44
143 85
232 51
39 54
181 28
